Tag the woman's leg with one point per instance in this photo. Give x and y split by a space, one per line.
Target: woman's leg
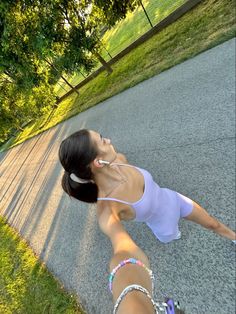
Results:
200 216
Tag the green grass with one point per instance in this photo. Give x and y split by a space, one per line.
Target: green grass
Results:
26 286
127 31
207 25
136 24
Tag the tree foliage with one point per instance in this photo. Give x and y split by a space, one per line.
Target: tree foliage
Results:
41 40
112 11
18 107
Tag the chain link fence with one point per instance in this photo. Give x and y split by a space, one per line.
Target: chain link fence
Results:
136 24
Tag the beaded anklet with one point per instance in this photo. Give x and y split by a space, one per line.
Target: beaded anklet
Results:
125 262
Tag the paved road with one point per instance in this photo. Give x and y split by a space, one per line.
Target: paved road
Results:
180 125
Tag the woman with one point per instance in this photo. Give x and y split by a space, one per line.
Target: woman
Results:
130 280
95 172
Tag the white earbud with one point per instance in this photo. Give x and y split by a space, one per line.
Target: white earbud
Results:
103 162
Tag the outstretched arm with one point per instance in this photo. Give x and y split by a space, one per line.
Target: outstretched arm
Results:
125 248
122 243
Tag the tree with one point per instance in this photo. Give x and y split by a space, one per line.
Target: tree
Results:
79 36
17 107
43 39
22 54
112 11
63 34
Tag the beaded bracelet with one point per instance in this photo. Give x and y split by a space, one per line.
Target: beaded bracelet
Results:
123 263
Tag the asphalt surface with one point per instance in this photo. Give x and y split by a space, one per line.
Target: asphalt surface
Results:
179 125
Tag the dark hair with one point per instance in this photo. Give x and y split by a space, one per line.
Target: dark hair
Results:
76 153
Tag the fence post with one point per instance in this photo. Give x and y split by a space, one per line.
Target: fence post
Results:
140 1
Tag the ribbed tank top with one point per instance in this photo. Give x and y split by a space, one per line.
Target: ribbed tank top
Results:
143 206
158 207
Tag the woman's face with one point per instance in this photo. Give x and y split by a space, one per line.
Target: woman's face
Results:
105 149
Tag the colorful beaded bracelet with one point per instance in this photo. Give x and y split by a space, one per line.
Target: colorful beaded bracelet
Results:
123 263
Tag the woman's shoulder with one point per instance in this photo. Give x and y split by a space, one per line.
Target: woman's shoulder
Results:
106 210
119 210
111 206
105 217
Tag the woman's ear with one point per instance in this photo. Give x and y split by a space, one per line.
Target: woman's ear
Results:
97 164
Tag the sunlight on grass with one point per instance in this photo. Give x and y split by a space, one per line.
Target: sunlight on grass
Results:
187 37
127 31
61 88
208 24
63 112
26 285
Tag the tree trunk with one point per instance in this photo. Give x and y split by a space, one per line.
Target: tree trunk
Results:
104 46
71 86
62 87
103 62
64 79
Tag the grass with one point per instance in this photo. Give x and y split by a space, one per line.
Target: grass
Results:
136 24
127 31
26 286
207 25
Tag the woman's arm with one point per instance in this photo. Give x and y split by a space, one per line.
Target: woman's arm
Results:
125 248
122 243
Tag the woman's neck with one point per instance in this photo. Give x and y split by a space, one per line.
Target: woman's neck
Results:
108 178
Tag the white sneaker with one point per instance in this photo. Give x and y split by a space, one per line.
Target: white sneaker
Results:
178 236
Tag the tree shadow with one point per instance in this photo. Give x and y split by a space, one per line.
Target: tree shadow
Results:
17 165
62 232
10 160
